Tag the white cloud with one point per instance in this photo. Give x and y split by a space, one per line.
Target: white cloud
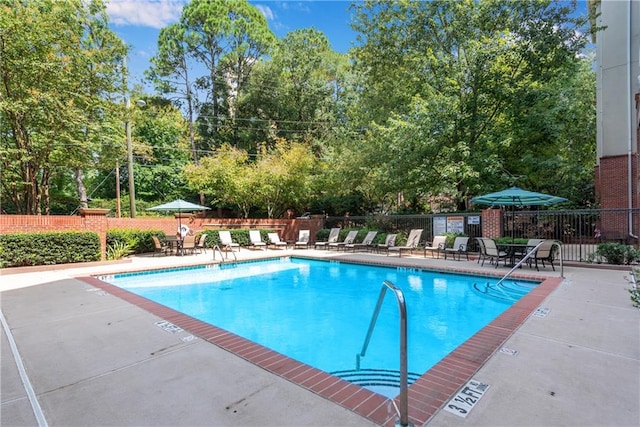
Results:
266 11
147 13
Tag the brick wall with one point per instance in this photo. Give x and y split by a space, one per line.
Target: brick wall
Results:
612 192
491 223
95 220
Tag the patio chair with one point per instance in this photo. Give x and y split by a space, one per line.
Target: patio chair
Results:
188 244
200 247
492 253
412 243
546 252
274 240
333 237
226 241
481 249
460 245
389 241
303 239
365 244
437 246
160 247
348 240
255 240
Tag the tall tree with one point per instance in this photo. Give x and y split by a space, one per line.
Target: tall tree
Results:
465 65
296 93
226 37
59 68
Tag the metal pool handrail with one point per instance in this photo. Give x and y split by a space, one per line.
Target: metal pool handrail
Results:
519 263
220 252
404 376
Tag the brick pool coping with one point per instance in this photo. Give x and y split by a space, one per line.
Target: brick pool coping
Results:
426 396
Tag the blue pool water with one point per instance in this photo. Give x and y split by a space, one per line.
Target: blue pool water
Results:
318 312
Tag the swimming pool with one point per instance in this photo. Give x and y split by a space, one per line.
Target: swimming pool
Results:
318 312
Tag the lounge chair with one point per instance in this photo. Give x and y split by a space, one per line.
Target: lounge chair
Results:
160 247
256 240
389 241
226 241
492 253
460 245
274 240
303 239
437 246
412 242
333 237
365 244
348 240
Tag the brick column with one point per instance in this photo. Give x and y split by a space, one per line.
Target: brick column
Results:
95 219
491 223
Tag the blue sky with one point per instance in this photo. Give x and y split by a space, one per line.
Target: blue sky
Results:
138 23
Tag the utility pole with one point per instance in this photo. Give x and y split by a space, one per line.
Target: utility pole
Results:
132 186
118 212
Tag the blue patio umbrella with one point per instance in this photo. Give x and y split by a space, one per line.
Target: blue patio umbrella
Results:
516 196
178 205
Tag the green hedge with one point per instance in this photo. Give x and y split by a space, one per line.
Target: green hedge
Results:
617 253
240 236
27 249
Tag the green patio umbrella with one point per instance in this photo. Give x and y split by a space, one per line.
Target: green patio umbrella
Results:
516 196
178 205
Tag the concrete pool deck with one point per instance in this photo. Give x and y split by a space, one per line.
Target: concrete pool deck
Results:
95 359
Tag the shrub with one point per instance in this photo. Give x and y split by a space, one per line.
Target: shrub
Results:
118 250
28 249
616 253
240 236
138 241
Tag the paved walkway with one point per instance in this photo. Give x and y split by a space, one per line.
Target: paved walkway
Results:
92 359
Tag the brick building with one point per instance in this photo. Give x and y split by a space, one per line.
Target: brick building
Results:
617 179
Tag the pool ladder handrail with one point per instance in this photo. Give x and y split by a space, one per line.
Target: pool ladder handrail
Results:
403 411
222 258
529 255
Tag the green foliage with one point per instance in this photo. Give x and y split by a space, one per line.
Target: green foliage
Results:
509 240
60 66
617 253
240 236
278 179
118 250
30 249
478 85
635 290
135 241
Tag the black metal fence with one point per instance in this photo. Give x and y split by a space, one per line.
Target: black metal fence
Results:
580 231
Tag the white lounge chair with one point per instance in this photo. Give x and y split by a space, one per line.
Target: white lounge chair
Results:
274 240
437 246
459 247
303 239
349 239
333 237
226 241
366 243
255 240
412 242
